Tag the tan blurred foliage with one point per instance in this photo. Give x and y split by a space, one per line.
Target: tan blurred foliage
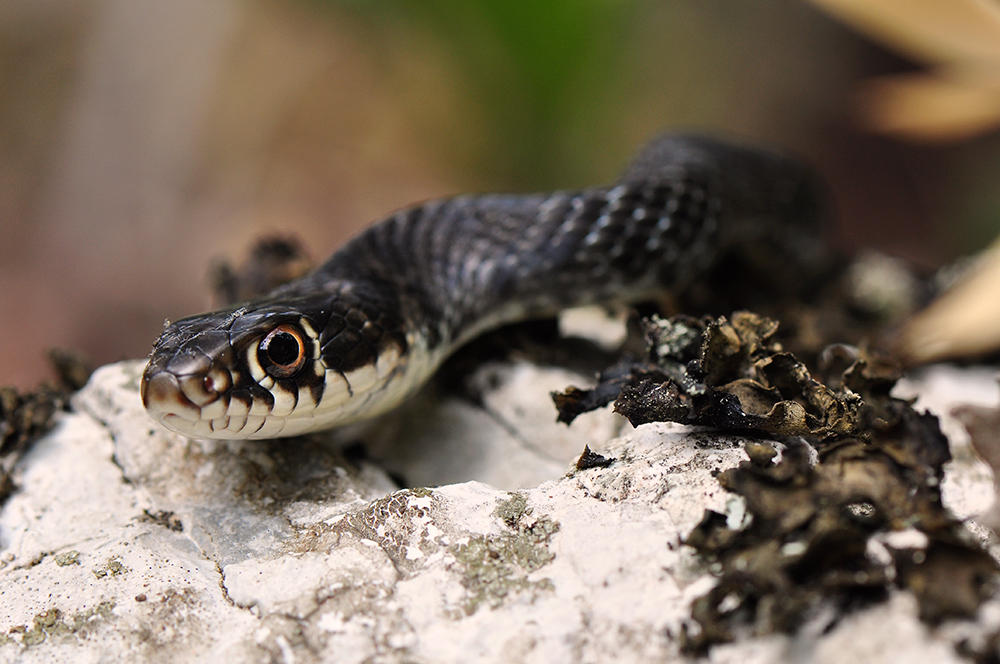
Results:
140 139
964 321
958 96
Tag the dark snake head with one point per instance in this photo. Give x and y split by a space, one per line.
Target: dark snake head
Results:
261 372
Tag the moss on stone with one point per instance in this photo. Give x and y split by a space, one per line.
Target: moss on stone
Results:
498 566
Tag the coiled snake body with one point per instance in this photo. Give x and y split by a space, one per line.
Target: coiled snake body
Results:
366 329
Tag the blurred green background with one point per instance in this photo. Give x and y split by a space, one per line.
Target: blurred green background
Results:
140 140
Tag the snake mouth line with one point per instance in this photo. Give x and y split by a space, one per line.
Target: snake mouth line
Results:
218 417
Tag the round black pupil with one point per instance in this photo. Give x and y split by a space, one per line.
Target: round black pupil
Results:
283 349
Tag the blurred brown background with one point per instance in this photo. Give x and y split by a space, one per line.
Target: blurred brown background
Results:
140 139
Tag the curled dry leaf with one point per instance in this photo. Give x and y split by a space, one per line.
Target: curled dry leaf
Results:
944 105
730 373
272 261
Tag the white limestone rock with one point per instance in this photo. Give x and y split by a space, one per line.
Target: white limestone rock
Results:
510 441
125 541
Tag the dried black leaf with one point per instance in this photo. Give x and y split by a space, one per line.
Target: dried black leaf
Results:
629 371
24 417
590 459
273 260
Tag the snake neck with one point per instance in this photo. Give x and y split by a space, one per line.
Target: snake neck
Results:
437 274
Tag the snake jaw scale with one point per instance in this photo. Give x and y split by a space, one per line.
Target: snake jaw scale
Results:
336 390
362 380
252 425
260 407
388 362
239 404
285 401
215 410
271 428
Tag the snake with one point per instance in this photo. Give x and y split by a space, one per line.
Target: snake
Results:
368 328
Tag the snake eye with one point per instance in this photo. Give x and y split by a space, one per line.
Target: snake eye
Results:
282 352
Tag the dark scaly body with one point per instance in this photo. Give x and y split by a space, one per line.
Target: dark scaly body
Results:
375 320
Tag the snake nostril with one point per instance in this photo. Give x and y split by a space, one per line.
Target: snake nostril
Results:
195 389
218 380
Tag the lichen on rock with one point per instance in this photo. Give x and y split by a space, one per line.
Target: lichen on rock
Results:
498 565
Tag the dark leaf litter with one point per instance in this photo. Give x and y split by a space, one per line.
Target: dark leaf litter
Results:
26 416
854 465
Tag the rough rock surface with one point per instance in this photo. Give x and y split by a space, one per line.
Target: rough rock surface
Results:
127 541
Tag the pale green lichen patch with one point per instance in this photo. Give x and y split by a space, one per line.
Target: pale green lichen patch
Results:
113 567
51 623
71 557
511 511
499 566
